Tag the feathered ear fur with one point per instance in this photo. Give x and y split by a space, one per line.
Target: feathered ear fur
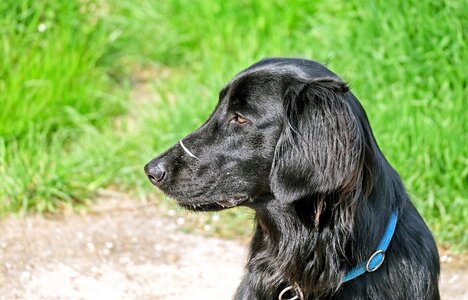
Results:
319 150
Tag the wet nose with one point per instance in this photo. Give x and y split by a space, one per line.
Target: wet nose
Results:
156 172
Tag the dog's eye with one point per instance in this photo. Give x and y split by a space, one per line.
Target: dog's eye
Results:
238 119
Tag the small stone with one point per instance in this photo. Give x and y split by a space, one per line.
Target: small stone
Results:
175 238
180 221
454 278
171 212
25 275
124 260
90 246
446 258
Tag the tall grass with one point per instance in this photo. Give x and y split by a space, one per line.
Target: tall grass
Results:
63 87
52 90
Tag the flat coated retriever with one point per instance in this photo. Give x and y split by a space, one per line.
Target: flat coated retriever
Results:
290 141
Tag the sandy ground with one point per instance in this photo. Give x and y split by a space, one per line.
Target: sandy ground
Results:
123 249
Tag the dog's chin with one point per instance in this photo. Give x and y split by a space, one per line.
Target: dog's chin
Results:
215 205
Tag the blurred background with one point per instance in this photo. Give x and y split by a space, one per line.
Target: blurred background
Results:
92 90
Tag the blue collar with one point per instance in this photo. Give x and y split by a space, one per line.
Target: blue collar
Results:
376 259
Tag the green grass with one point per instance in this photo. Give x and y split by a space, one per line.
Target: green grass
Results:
69 125
54 95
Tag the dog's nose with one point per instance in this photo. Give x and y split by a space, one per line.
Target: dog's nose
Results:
156 172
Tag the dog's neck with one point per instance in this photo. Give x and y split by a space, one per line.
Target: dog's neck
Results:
313 248
303 252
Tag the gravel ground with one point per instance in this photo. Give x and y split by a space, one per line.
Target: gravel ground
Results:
124 249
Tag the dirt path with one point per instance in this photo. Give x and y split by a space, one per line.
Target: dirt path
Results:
123 249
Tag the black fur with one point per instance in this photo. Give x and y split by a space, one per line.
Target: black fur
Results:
307 163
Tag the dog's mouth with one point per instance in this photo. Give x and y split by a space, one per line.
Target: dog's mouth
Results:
214 205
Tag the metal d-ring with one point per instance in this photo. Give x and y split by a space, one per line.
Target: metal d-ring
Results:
372 257
299 295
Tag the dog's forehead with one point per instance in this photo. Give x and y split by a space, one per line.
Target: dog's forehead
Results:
301 69
252 90
268 73
268 78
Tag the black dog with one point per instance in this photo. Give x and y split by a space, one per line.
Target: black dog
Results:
289 140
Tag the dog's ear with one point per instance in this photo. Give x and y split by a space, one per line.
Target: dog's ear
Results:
319 150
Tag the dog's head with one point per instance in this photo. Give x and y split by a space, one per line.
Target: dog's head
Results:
283 129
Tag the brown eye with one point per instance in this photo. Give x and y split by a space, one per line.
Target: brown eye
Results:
238 119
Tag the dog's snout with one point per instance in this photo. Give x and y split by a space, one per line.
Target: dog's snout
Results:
156 172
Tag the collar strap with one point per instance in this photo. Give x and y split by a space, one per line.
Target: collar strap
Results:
376 259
